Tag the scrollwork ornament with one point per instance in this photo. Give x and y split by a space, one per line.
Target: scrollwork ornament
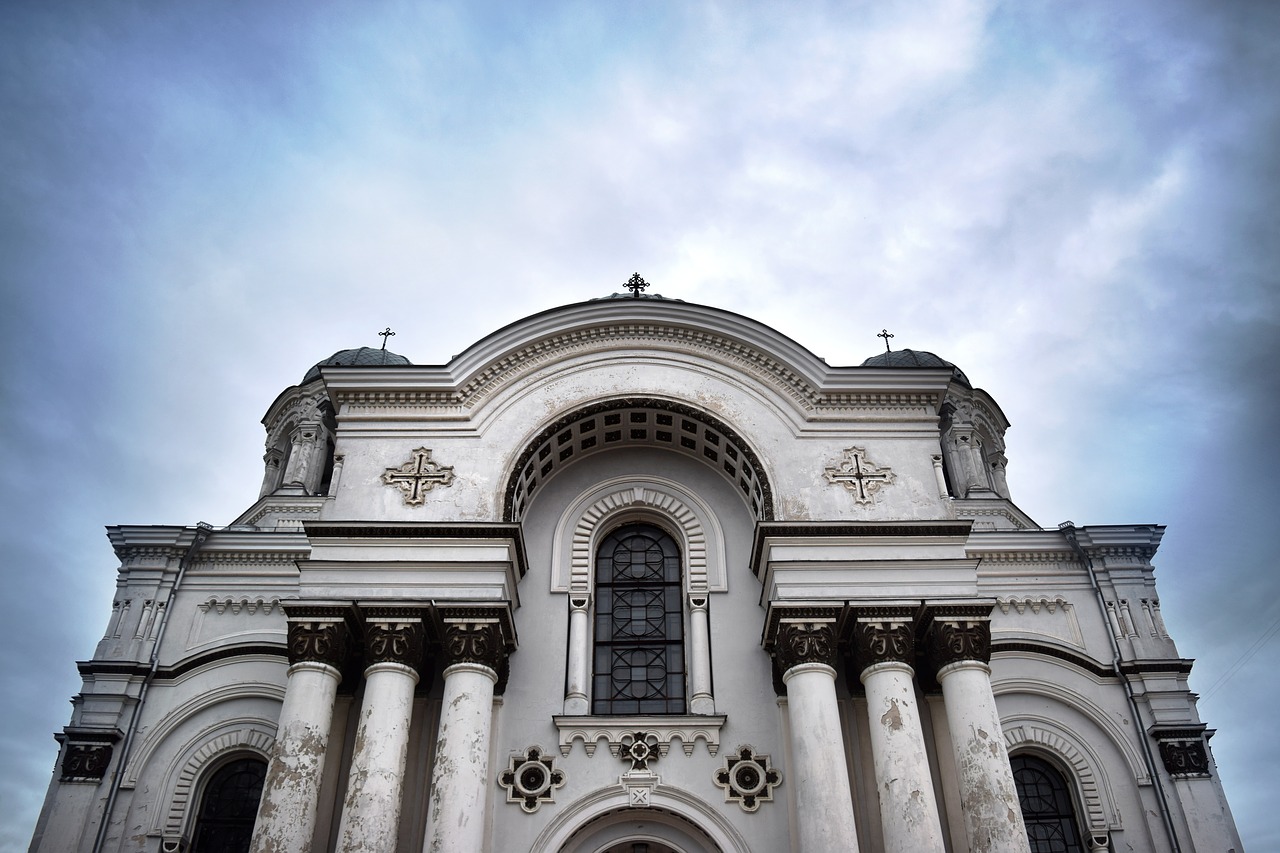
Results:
879 642
805 642
394 642
86 761
953 641
475 642
323 642
1185 757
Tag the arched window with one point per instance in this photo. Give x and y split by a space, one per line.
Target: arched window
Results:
639 624
1046 806
229 806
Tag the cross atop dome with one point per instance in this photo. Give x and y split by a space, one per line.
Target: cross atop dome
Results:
636 284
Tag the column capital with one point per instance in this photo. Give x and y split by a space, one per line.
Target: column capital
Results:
958 633
479 635
394 635
318 635
884 634
803 635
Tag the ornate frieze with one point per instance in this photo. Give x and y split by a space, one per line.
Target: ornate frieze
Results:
858 475
531 779
747 778
418 476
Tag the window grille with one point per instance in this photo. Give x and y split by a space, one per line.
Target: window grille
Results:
1046 806
229 806
639 624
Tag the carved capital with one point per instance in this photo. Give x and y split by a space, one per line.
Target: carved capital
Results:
319 641
475 641
1183 752
881 640
86 762
958 639
798 642
394 640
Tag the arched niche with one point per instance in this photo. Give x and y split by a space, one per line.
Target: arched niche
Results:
638 422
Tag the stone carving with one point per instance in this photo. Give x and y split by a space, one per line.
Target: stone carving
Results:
324 642
950 641
86 762
418 476
856 473
639 748
804 642
747 778
1184 757
394 641
531 779
880 641
475 642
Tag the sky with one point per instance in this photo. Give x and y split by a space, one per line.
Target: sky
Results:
1076 202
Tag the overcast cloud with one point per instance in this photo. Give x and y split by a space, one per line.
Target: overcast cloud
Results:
1075 202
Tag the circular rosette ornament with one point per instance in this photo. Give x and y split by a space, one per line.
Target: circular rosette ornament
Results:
747 778
531 779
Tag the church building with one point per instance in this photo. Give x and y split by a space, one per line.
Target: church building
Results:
635 575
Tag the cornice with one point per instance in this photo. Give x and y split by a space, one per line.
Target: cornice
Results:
424 530
767 530
1024 647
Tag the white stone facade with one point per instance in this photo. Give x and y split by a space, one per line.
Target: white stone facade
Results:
635 571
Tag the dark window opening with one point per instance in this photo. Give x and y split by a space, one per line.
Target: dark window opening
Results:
1046 806
639 624
229 807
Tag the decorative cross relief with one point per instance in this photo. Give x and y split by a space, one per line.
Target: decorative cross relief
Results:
856 473
531 779
748 778
418 476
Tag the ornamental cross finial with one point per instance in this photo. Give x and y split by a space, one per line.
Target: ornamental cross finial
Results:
884 333
636 284
386 334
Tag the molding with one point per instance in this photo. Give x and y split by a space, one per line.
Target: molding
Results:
1018 648
89 668
688 729
1085 771
424 530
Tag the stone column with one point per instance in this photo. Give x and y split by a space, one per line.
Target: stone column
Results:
804 649
959 640
475 652
701 701
371 811
884 647
939 476
290 795
575 693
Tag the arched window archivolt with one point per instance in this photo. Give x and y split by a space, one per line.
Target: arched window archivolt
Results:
1080 769
202 756
655 499
227 805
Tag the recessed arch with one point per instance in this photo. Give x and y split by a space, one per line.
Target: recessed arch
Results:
638 422
202 753
1082 767
657 499
676 817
